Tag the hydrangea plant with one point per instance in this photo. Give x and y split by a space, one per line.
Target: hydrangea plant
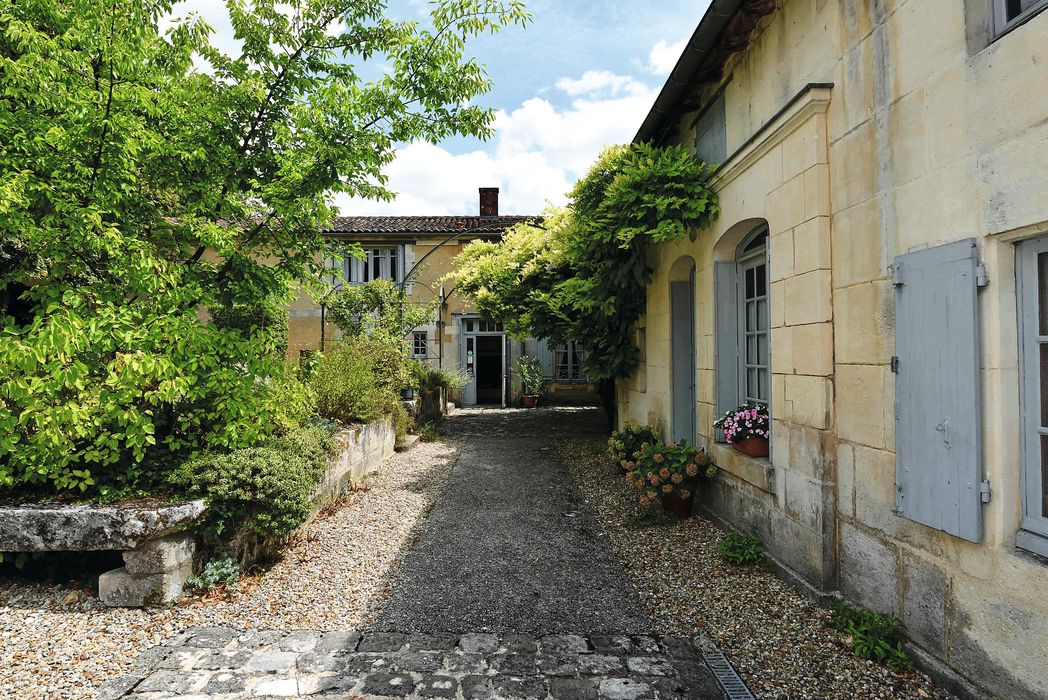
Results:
664 470
624 444
746 421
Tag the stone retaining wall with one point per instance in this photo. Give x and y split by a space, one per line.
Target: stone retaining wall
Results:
362 450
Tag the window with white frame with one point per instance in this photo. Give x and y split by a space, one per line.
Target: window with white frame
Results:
1032 268
1008 14
567 363
385 262
420 344
754 332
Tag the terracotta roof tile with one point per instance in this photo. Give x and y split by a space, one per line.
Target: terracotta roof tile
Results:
414 225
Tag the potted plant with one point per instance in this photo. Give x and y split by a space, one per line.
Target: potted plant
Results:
669 474
624 444
747 428
533 384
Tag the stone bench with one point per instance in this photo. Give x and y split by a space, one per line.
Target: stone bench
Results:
157 558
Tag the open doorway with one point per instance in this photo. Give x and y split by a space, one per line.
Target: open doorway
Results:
489 373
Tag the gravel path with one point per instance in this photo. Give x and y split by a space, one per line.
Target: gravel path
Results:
53 645
776 638
511 546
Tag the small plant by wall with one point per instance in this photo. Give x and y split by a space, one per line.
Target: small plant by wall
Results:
222 570
741 548
876 636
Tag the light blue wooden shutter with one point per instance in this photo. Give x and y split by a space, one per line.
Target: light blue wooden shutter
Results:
711 142
726 319
938 468
682 335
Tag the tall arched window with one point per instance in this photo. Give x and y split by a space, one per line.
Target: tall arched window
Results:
753 319
742 291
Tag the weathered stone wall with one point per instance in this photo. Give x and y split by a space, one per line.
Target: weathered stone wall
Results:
931 134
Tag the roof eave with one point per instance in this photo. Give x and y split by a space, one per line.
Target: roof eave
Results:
702 42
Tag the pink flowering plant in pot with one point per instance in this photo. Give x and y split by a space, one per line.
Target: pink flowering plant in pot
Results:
747 429
669 474
623 445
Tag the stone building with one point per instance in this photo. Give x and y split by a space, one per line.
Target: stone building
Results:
879 277
424 248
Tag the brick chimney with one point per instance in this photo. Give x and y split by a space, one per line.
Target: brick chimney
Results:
489 201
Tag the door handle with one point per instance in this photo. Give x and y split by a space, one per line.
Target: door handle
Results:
944 428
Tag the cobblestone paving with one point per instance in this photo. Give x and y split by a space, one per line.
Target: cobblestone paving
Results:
219 662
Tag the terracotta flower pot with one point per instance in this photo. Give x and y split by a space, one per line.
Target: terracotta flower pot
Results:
753 446
529 400
680 507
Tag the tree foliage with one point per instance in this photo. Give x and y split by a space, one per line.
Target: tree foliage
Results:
582 275
379 308
145 174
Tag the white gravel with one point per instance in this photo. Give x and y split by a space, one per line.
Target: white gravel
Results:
335 577
776 638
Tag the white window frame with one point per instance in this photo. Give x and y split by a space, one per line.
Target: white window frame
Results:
1002 24
1033 373
420 344
749 324
389 260
568 357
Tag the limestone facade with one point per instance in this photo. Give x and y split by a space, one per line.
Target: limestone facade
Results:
857 132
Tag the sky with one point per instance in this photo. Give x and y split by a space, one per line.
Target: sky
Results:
580 77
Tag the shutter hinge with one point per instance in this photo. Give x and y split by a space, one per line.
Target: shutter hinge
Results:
985 493
895 364
982 279
897 274
896 410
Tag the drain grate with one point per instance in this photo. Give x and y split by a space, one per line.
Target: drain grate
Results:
725 674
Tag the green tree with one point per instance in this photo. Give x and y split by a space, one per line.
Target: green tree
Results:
582 275
136 189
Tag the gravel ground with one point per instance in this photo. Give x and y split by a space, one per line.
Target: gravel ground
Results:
511 546
56 644
776 638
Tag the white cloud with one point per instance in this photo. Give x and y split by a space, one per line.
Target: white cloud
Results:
601 81
538 152
663 56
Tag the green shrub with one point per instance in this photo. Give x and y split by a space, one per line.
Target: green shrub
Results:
222 570
267 490
532 381
401 420
624 444
290 402
428 379
266 322
741 548
345 388
876 636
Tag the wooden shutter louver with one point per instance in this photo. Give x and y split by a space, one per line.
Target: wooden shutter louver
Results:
937 411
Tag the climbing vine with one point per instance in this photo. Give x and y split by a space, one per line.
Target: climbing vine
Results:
581 275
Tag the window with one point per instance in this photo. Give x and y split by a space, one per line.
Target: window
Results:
567 363
482 325
753 321
1032 268
420 344
742 340
1008 14
379 263
711 144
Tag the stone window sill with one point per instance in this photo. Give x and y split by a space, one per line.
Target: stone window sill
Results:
756 471
1032 542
